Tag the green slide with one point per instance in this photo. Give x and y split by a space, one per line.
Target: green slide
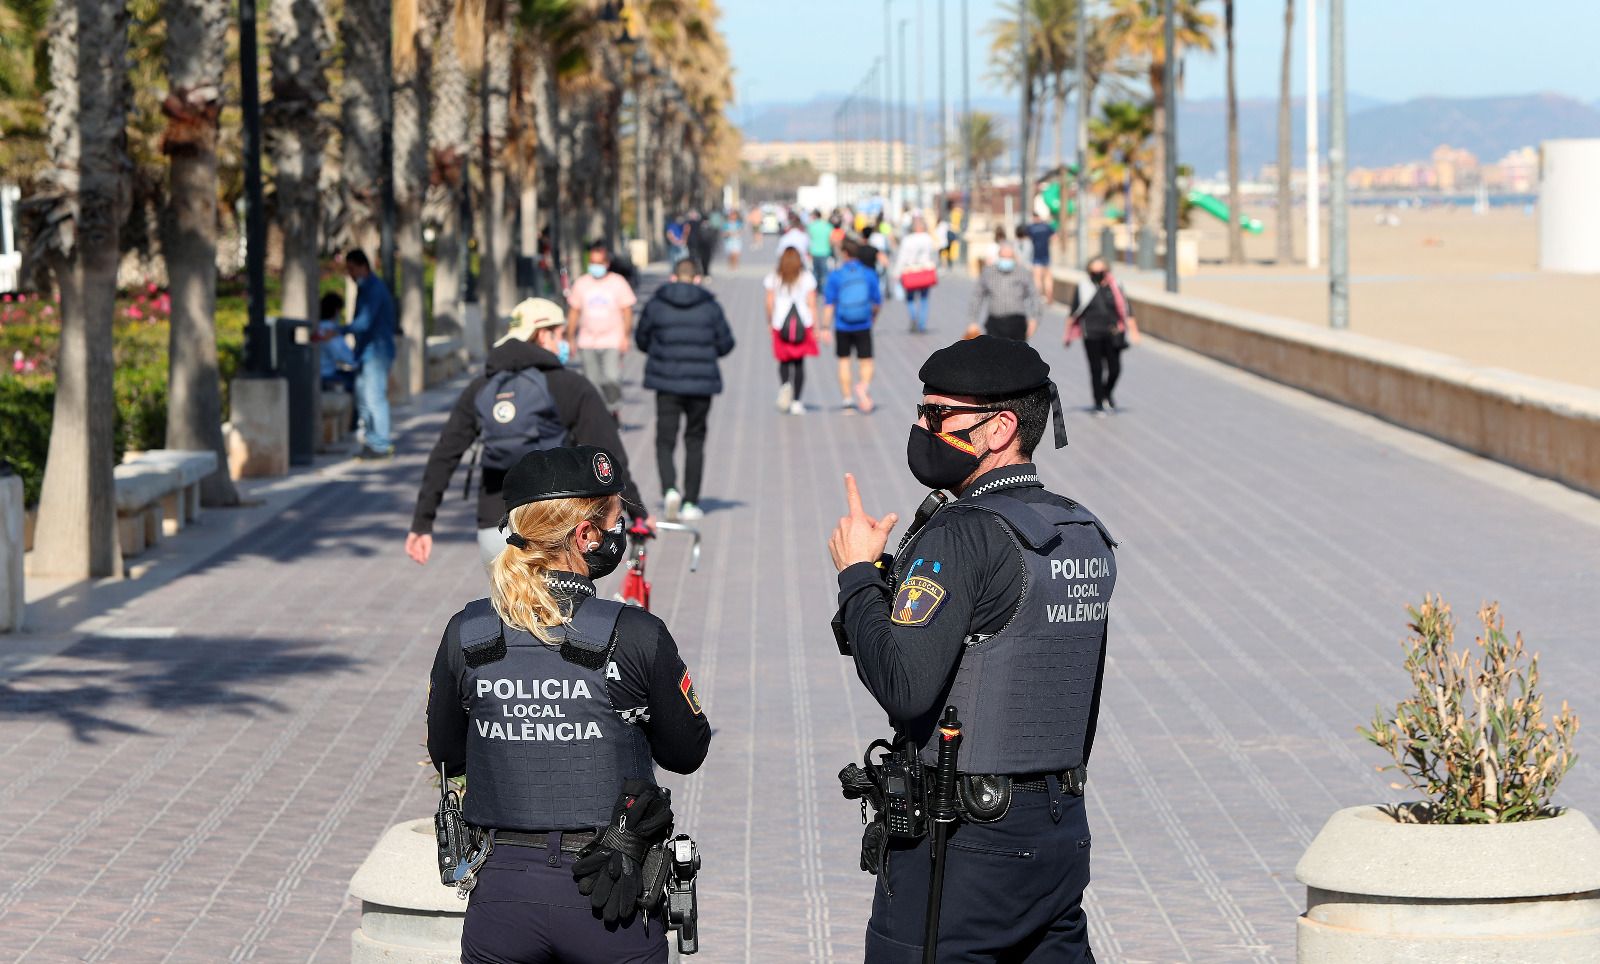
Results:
1218 210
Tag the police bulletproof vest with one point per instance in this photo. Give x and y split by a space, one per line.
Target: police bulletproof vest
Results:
545 749
517 415
1024 695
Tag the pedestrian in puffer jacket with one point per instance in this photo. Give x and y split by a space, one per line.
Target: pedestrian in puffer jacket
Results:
682 332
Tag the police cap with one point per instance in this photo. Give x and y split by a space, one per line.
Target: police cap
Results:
992 368
578 472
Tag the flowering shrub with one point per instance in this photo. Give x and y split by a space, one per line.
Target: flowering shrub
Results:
30 334
1472 737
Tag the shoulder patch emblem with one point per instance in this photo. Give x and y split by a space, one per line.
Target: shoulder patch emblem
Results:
686 687
916 602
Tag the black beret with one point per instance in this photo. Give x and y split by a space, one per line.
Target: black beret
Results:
985 367
579 472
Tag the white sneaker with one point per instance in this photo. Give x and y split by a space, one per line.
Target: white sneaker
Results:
691 513
796 408
785 397
849 402
674 505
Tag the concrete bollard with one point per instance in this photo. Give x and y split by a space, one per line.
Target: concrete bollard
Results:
407 916
12 538
1382 891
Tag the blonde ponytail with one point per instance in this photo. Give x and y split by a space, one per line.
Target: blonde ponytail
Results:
521 593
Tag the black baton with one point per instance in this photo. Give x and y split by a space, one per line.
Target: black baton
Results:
944 812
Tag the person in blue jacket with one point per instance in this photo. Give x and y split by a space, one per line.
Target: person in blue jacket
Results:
373 326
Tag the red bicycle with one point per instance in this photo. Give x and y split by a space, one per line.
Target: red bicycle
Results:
635 590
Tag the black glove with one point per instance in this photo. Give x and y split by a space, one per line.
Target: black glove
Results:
610 870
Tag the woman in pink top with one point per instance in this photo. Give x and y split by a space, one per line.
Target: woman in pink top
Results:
600 324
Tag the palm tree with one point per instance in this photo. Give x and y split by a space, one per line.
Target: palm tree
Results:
197 50
1235 215
1122 160
413 69
450 147
1285 226
295 136
1051 55
82 202
364 107
978 137
22 39
1134 30
497 287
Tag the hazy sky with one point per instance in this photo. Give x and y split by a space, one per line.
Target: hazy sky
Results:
791 51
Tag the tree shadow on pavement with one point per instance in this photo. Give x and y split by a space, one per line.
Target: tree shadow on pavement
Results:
98 683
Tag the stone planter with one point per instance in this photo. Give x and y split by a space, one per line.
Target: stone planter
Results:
407 916
1381 891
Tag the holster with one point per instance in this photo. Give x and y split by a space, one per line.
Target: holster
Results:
985 797
653 879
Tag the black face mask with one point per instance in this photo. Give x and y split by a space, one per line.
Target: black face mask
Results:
1097 276
605 558
945 460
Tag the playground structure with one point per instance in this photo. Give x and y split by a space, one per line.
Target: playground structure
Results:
1050 196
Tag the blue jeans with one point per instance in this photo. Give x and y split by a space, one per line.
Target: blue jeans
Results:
820 266
917 305
372 402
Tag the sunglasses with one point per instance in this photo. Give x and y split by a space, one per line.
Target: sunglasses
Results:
934 415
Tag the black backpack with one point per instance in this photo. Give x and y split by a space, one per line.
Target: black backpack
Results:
517 415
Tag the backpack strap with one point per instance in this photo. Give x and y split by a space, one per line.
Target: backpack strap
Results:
483 638
591 633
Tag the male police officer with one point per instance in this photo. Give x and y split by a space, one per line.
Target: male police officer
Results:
996 606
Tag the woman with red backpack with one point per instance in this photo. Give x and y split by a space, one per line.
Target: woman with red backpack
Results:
792 315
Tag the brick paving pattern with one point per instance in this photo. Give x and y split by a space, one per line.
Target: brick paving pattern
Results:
198 781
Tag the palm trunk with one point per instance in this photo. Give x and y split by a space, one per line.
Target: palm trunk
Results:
364 105
450 143
1235 214
1285 225
413 62
495 227
1156 192
76 535
547 133
295 137
1061 161
197 36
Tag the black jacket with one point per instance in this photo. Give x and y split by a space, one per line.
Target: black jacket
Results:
683 332
578 405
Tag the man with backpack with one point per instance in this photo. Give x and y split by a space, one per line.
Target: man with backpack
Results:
854 297
526 400
683 332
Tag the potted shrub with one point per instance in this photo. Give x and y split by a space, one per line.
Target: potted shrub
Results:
1483 867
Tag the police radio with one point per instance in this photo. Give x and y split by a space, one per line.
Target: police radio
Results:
899 778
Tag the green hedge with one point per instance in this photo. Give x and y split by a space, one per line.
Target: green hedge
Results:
27 400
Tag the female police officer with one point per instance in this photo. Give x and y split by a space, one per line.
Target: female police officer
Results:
552 700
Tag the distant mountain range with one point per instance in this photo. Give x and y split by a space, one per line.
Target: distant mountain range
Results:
1381 132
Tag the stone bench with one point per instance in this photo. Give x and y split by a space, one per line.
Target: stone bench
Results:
183 506
446 358
335 410
141 489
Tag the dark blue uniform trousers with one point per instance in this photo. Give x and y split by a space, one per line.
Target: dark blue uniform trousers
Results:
1013 889
526 910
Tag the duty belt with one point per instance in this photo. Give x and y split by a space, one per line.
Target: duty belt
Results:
1072 780
571 842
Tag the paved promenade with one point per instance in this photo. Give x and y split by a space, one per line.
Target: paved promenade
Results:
196 777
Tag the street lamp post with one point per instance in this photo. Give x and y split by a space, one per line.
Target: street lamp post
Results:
640 61
1338 207
257 348
887 107
901 165
1313 152
944 118
1024 114
1170 71
966 138
1080 41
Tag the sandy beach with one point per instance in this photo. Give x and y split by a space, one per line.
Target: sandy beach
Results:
1444 279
